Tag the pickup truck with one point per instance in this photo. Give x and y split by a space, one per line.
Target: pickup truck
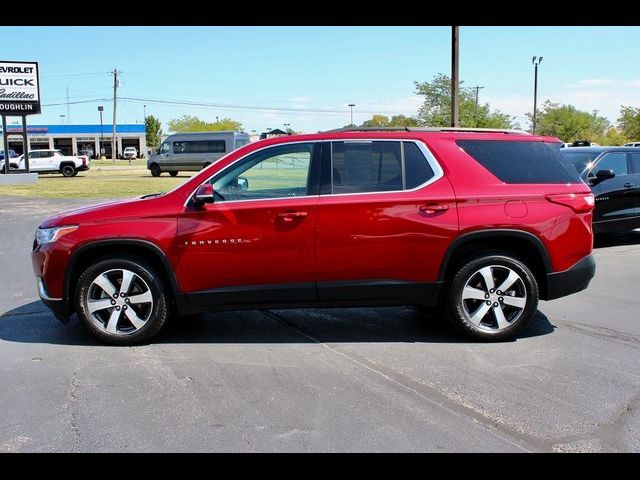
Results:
54 161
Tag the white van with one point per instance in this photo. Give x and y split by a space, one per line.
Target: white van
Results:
193 151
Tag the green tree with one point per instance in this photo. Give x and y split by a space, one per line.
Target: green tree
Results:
395 121
569 124
190 123
436 108
153 130
629 122
612 136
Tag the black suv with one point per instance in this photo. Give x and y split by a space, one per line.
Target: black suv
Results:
613 173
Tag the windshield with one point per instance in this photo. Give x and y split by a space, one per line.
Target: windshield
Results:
581 161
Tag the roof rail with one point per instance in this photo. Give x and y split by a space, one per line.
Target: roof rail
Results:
429 129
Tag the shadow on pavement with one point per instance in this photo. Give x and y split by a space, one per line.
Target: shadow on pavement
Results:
33 323
604 240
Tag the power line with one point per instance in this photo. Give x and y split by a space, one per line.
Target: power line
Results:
248 107
94 100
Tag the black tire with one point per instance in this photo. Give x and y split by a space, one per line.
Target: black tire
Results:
462 313
174 173
155 170
126 333
68 171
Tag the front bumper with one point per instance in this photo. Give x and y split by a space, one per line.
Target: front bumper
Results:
58 306
572 280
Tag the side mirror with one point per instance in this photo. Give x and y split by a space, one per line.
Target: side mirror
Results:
204 194
243 184
605 174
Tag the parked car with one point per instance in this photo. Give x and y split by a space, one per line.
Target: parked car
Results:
54 161
12 154
193 151
13 165
481 223
632 144
614 176
130 152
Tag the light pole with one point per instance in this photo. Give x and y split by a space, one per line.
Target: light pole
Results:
145 114
286 127
62 118
535 90
351 105
101 109
455 80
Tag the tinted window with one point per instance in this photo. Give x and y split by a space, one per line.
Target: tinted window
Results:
366 167
616 161
276 172
581 161
520 162
199 146
635 162
416 168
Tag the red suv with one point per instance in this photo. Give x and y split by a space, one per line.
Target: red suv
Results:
482 223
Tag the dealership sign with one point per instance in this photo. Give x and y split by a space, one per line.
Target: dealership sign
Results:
19 88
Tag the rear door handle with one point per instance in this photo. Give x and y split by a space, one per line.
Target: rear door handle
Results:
435 208
628 185
290 216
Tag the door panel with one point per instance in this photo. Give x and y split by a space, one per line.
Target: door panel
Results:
253 243
613 199
368 240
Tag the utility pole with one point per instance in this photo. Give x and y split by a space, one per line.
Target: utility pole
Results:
535 91
455 81
114 142
475 112
351 105
477 88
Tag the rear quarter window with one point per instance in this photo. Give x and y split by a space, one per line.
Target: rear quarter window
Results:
520 162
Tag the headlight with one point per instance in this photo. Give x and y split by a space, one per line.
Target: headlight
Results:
48 235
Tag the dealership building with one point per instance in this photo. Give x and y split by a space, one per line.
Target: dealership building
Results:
71 139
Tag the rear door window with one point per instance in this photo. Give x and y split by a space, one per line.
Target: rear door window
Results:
635 162
520 162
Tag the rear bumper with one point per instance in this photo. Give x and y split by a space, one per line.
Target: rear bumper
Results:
82 168
572 280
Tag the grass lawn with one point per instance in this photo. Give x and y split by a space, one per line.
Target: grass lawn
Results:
102 180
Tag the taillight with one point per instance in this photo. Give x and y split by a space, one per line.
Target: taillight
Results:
578 202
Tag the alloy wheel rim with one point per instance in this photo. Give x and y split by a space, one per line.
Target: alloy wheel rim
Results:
493 298
119 302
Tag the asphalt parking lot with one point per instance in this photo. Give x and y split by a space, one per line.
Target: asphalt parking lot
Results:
378 379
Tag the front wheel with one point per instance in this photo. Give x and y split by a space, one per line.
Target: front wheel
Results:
174 173
492 297
68 171
155 170
122 300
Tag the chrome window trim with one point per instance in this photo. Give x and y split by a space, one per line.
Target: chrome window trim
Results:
438 172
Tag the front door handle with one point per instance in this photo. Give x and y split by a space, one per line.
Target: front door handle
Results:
628 185
435 208
291 216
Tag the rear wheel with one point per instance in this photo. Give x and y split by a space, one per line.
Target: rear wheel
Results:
155 170
68 170
174 173
122 300
492 297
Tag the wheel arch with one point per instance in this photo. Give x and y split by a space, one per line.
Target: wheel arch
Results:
88 253
523 245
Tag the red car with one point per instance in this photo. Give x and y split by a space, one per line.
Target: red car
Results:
482 223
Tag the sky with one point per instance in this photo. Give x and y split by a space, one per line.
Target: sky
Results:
307 76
